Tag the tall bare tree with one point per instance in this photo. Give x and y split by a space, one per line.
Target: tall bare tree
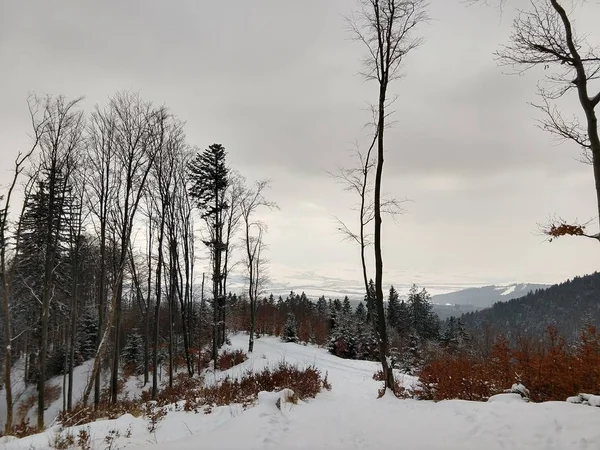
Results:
357 180
233 215
137 133
251 200
60 149
6 273
102 184
386 28
545 36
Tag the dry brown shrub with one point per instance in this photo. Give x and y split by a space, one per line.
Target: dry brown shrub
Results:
230 358
553 371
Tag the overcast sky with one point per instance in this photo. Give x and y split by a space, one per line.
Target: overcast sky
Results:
275 81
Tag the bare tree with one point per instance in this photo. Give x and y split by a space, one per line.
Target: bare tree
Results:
136 132
101 186
233 215
386 28
76 229
59 151
6 273
545 36
251 200
357 180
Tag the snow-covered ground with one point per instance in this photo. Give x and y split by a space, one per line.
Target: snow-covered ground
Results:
350 417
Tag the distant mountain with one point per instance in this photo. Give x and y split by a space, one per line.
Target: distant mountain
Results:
486 296
568 306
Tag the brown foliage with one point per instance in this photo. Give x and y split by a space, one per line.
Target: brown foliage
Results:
80 414
562 228
191 394
552 371
306 383
230 358
22 429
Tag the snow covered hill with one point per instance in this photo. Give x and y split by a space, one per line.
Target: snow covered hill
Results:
347 417
486 296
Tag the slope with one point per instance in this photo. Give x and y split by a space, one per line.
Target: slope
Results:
568 306
486 296
348 417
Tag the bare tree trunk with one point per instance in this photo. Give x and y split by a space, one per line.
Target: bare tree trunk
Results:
172 282
384 27
147 317
101 351
158 287
381 327
73 321
7 280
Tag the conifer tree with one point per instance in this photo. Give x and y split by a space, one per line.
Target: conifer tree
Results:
290 333
361 312
133 353
393 306
209 180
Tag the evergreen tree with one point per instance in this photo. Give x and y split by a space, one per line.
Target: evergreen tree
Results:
404 324
346 306
361 312
87 335
209 178
133 353
370 301
290 333
393 306
425 322
455 336
322 308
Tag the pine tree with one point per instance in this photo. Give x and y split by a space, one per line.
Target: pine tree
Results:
346 306
370 301
393 306
424 321
132 354
87 335
290 333
209 180
361 312
404 324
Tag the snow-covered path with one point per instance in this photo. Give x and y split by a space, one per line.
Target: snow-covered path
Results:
351 417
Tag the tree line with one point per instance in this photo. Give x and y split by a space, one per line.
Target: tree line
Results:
116 209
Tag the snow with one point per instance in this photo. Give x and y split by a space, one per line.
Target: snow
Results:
348 417
509 290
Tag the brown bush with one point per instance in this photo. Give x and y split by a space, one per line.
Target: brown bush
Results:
552 371
22 429
26 406
306 383
81 414
196 397
51 393
230 358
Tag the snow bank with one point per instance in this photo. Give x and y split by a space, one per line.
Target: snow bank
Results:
350 417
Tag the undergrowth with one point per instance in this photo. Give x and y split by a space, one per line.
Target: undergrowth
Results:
230 358
193 395
551 370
